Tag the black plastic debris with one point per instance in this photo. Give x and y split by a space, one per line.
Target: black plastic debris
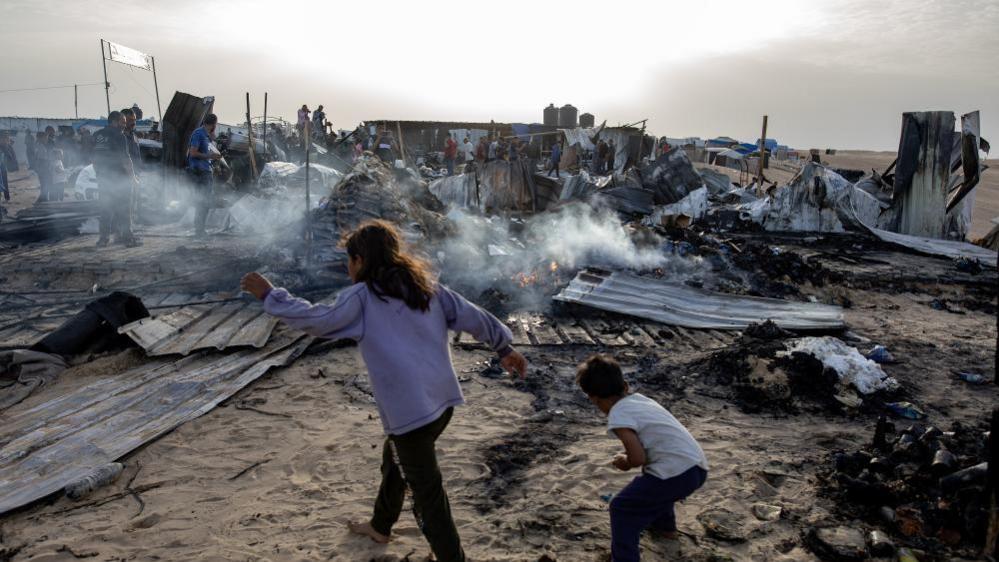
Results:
95 328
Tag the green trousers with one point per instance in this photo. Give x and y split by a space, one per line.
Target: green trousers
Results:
411 460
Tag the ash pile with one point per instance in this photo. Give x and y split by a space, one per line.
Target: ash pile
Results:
918 486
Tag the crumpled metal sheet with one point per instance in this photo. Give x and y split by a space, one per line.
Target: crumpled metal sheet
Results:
231 324
680 305
818 199
938 246
47 446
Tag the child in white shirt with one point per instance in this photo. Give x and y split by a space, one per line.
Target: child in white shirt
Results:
673 464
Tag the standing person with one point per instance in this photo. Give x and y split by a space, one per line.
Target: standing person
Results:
127 197
29 148
400 316
114 177
468 149
199 166
672 462
4 182
60 179
493 148
319 122
385 147
43 166
482 151
450 153
601 158
303 118
86 147
7 152
556 159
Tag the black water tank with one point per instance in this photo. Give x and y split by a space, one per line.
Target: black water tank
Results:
587 120
567 116
551 115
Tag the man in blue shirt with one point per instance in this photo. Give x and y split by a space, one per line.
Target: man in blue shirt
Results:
199 165
556 158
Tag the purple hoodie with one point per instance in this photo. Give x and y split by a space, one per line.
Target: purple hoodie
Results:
407 351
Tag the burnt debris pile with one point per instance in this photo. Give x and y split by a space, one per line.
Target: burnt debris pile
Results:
921 485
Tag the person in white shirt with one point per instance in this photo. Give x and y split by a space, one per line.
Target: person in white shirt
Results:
673 464
468 149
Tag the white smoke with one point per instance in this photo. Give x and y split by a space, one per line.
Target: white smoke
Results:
531 259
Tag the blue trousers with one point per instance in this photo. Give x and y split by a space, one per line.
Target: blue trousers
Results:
648 502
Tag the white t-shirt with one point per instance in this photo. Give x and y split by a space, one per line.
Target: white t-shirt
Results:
670 450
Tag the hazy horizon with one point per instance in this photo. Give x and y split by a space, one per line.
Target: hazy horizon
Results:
834 73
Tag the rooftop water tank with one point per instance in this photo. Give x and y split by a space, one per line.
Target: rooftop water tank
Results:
567 116
587 120
551 115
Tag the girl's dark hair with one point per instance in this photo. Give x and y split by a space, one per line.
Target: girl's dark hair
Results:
387 269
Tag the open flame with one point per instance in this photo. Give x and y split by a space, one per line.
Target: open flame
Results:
540 276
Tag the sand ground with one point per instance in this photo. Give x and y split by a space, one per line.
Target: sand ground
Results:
281 482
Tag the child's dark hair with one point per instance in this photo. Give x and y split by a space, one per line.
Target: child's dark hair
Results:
387 269
600 376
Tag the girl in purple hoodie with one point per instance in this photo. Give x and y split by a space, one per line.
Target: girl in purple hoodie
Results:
400 317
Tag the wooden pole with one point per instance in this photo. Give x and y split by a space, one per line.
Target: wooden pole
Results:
107 85
763 152
266 151
249 141
402 146
156 85
76 101
307 143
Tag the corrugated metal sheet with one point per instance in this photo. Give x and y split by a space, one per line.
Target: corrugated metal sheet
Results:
231 324
45 447
937 246
680 305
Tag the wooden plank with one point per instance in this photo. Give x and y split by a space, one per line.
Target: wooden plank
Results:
542 330
572 331
520 336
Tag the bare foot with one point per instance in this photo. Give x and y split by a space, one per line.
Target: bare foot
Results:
367 530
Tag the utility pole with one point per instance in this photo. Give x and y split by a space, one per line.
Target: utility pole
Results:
107 85
763 153
249 139
76 101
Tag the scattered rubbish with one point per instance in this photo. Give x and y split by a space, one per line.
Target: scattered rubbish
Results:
837 543
765 512
906 410
94 329
968 265
22 371
971 378
917 484
906 555
880 354
100 477
880 544
852 368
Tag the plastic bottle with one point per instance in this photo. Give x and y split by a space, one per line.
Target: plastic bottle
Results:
98 478
971 378
906 410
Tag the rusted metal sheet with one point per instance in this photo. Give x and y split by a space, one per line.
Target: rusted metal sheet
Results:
219 326
47 446
681 305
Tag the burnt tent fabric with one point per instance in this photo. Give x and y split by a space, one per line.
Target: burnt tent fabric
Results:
671 177
95 328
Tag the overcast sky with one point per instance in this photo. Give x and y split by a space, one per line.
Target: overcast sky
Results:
829 73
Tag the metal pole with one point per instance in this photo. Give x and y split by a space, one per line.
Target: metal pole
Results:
265 124
107 85
76 101
157 86
307 143
249 139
